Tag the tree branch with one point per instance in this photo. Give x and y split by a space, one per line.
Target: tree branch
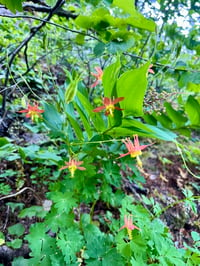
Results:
24 43
46 9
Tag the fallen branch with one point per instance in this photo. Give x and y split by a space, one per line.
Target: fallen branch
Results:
17 193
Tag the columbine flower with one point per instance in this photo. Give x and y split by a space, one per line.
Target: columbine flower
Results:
150 70
98 76
109 105
128 224
134 149
72 165
32 111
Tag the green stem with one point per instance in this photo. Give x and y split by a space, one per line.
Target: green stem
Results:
174 204
92 210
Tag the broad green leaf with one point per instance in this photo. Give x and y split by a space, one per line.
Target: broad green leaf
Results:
21 261
48 155
52 118
51 2
110 75
95 117
17 229
163 119
112 258
193 87
76 127
71 90
37 211
99 48
84 120
178 119
64 202
139 21
130 127
70 242
135 19
12 5
127 6
132 85
117 46
3 141
189 77
41 244
16 243
192 108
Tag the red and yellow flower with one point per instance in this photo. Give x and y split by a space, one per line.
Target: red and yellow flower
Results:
33 111
98 76
109 105
134 149
72 165
128 224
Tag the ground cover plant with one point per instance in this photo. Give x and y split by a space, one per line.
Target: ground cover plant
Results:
99 146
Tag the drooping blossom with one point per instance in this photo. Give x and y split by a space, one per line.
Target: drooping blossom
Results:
72 165
98 76
128 224
134 149
150 70
33 111
109 105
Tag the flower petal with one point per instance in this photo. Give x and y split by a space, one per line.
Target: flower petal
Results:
95 84
123 155
117 100
81 168
98 109
107 101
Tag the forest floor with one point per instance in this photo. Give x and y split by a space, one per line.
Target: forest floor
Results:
165 178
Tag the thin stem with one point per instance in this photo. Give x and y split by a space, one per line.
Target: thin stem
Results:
174 204
184 162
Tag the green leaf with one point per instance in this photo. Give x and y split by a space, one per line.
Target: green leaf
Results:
127 6
192 108
71 90
95 117
76 126
70 242
99 49
136 19
12 5
130 127
17 229
195 236
41 244
64 202
3 141
16 243
175 116
52 118
132 85
37 211
51 2
122 45
84 120
21 261
110 75
112 258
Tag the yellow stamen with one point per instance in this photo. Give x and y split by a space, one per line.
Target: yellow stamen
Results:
139 162
129 231
135 154
72 169
110 108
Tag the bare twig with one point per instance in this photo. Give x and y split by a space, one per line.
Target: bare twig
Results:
33 32
17 193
